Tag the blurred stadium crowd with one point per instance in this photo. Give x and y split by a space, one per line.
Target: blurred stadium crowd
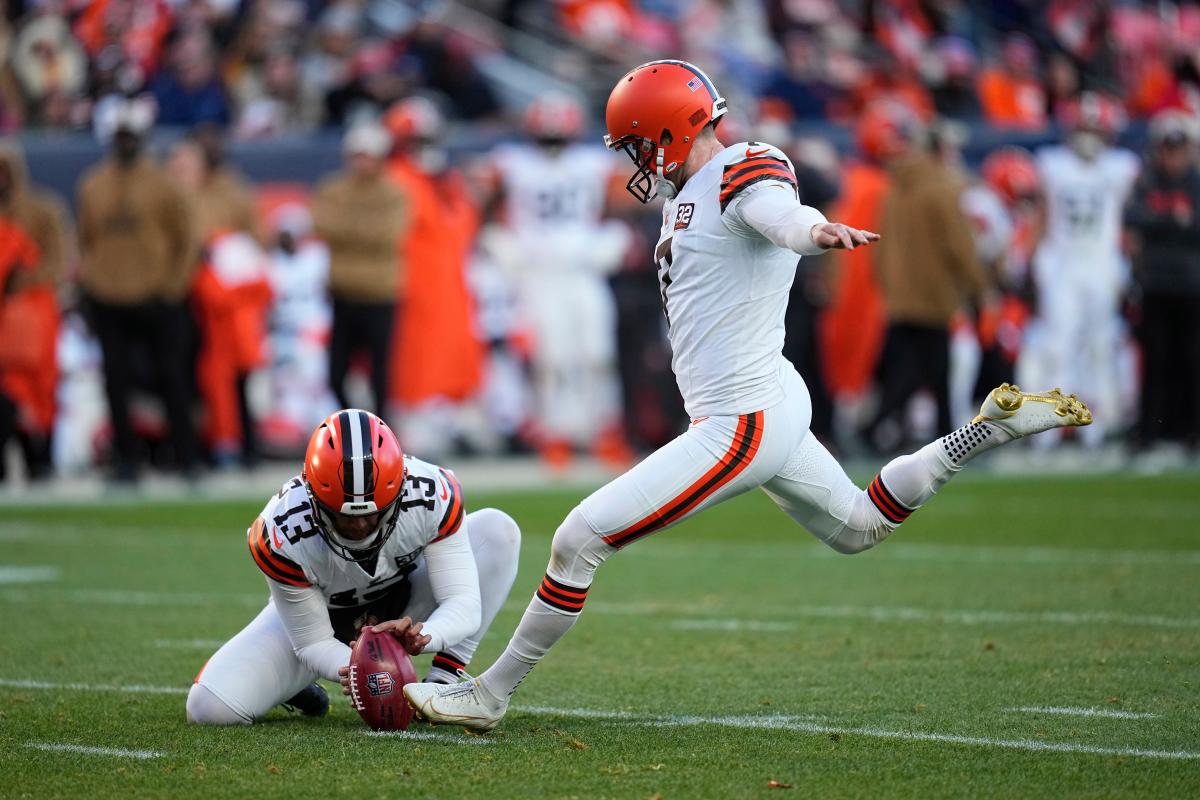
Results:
476 272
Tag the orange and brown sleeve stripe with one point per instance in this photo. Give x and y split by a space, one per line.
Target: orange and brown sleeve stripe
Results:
455 509
561 597
275 566
744 174
741 452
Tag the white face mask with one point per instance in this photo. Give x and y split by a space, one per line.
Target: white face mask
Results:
1087 144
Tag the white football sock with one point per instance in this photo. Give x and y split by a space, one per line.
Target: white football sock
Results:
914 478
575 553
540 627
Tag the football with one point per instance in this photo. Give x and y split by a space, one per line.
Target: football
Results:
379 668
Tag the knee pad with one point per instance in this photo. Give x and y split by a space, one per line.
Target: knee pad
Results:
205 708
864 528
577 551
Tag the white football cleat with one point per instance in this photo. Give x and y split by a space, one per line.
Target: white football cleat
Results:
467 704
1023 413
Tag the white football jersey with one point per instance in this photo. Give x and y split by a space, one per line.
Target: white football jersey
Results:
563 191
725 287
1084 201
286 546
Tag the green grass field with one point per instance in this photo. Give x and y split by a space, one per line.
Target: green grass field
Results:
1016 638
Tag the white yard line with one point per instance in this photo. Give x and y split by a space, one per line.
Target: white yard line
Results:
188 644
805 725
40 574
752 625
134 688
121 597
428 736
1071 711
956 616
930 553
57 747
797 723
781 624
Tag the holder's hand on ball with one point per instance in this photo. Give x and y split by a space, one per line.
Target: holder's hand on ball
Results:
407 631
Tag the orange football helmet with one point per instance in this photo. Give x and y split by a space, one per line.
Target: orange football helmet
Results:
1095 112
1010 171
354 472
414 118
654 114
885 130
554 117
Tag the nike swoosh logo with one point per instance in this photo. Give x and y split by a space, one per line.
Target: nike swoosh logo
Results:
752 153
275 540
445 492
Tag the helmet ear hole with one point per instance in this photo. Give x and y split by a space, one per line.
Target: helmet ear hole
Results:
665 138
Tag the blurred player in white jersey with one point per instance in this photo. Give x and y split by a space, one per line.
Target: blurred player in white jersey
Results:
555 242
365 535
1079 271
732 228
1004 211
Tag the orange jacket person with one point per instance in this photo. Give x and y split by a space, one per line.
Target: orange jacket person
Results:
438 308
29 367
18 257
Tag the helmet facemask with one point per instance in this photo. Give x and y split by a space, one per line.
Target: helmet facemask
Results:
356 550
645 154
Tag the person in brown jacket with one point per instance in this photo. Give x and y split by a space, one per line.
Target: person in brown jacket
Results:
229 294
220 198
927 269
361 215
28 357
138 252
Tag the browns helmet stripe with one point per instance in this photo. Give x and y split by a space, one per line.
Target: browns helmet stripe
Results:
366 461
356 450
347 457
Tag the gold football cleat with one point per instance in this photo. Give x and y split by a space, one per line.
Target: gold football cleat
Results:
1023 413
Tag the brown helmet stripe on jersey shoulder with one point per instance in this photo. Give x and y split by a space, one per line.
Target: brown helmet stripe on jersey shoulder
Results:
733 172
455 508
274 565
740 178
737 168
740 454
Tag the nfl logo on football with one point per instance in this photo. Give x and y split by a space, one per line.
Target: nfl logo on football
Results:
379 683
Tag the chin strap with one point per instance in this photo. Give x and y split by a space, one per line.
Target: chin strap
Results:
662 186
